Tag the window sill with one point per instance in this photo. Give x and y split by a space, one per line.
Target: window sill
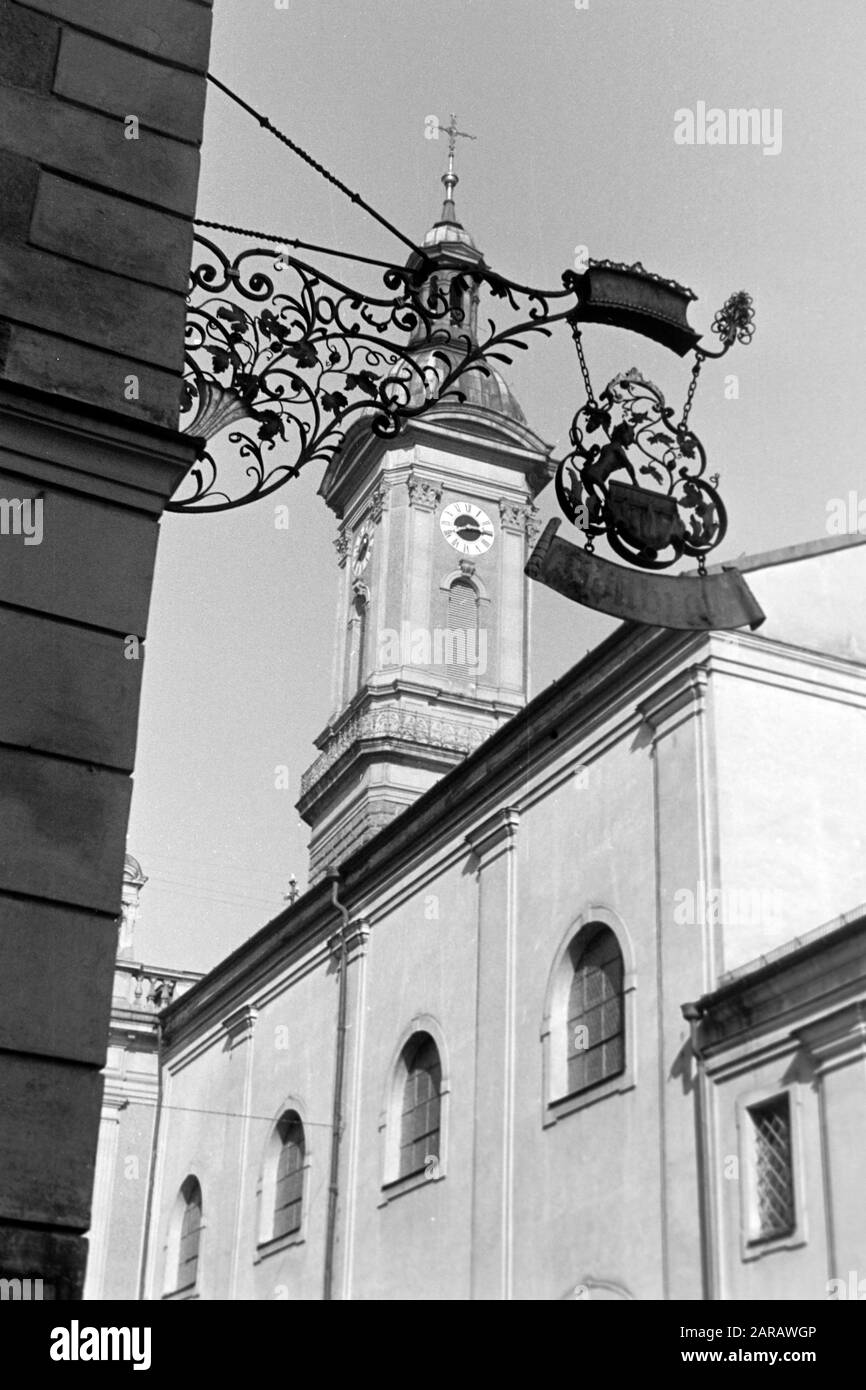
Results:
399 1186
267 1248
755 1247
181 1295
558 1109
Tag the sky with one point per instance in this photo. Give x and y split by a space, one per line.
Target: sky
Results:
574 110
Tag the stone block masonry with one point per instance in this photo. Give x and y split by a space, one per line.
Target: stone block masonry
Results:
101 115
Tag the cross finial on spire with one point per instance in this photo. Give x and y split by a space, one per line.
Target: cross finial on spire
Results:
450 179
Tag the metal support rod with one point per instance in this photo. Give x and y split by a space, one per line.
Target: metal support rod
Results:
692 1015
151 1176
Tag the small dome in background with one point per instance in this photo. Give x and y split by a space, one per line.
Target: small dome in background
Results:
132 872
449 232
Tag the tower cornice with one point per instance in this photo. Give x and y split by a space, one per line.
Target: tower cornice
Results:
357 470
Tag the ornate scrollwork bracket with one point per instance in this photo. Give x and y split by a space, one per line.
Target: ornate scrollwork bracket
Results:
281 358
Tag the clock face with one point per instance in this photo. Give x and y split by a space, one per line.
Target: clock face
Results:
467 528
361 551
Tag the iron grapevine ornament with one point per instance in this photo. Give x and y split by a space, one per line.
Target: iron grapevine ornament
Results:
639 479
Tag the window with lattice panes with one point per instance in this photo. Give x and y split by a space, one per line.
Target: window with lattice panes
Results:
773 1168
289 1189
419 1122
596 1024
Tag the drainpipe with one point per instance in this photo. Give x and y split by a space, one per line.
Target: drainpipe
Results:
692 1015
151 1176
333 874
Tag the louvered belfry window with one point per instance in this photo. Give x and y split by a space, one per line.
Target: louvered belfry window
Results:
774 1173
419 1128
462 650
190 1235
596 1026
289 1191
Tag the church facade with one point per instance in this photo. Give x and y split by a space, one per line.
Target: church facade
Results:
574 1005
130 1104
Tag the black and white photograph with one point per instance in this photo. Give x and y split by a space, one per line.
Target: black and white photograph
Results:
433 633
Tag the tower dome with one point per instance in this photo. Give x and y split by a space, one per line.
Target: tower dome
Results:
486 389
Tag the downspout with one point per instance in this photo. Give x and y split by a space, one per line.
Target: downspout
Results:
333 874
692 1015
151 1177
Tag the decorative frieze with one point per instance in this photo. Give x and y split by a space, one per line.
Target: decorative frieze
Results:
402 725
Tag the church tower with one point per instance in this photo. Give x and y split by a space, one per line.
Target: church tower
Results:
432 639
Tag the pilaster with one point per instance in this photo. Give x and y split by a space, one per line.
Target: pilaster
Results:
494 845
837 1045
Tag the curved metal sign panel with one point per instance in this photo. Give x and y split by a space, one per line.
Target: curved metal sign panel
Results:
688 601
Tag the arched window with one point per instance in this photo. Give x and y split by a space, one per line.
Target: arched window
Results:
596 1018
289 1186
420 1115
456 295
461 652
190 1234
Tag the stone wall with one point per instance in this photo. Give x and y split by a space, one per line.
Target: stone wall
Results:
101 110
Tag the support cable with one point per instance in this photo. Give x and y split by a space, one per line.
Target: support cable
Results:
356 198
289 241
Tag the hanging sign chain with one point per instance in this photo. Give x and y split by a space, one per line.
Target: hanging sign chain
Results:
684 424
590 398
578 342
693 386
